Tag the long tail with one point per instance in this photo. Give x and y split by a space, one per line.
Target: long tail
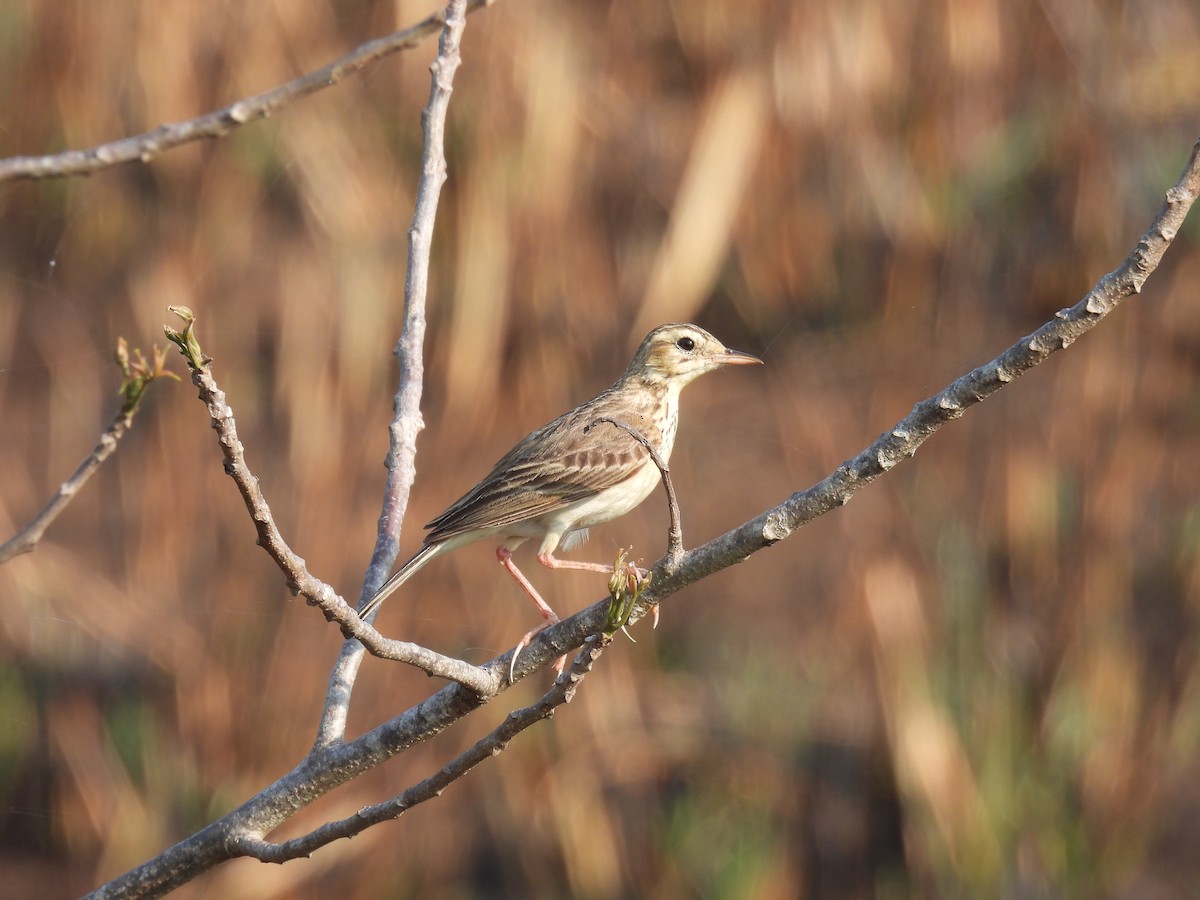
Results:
424 555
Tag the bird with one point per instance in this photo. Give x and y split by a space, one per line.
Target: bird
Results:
568 476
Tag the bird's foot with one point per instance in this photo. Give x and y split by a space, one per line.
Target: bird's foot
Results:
653 623
559 664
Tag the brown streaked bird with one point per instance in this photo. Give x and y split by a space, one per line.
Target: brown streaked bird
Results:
566 477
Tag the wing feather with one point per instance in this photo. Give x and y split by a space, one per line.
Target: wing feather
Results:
559 464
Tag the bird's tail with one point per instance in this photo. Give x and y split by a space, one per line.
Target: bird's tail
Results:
401 575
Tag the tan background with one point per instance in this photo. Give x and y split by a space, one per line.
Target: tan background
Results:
979 678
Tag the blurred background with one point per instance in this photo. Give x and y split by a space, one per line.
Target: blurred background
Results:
978 679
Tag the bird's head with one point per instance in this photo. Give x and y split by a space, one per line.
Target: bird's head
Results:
677 354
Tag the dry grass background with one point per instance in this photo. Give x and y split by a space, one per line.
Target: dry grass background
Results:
980 678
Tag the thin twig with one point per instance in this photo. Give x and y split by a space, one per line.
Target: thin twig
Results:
299 579
25 540
675 529
139 374
407 421
148 145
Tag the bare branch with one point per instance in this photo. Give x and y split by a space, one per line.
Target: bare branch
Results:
903 440
299 579
242 831
25 540
322 770
1067 326
145 147
138 376
407 422
562 691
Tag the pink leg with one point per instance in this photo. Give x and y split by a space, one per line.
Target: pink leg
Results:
505 558
550 561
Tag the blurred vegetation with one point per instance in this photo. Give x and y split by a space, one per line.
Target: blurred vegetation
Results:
979 679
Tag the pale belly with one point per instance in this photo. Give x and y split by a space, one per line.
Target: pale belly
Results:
604 507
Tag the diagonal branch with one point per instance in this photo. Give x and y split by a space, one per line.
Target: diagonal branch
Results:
299 579
25 540
1067 326
138 375
242 831
146 146
903 440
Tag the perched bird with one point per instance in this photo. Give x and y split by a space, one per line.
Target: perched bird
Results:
574 473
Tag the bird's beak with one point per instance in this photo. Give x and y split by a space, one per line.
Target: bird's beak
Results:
736 358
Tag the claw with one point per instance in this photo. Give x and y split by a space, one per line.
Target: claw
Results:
512 666
559 664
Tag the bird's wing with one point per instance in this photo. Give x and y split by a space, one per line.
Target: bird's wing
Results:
551 468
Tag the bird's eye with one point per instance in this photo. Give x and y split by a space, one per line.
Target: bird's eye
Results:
686 344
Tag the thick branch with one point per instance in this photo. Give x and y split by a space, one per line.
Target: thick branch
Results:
493 744
322 770
902 440
145 147
242 831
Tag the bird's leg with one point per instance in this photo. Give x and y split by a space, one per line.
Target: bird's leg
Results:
636 574
550 561
504 555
